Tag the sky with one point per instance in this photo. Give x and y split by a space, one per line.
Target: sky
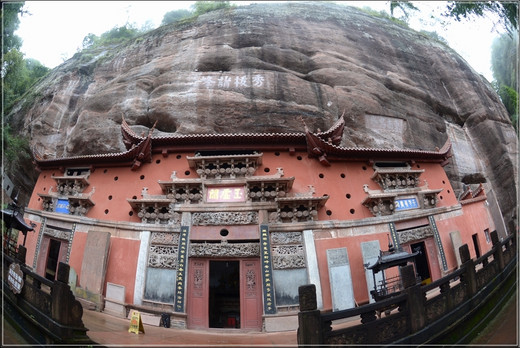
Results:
54 30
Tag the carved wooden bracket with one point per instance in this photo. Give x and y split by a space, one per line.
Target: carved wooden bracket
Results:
387 203
156 211
397 179
188 191
79 204
380 204
225 166
71 185
296 209
266 189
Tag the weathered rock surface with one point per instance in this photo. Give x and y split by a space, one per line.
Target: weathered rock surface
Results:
258 68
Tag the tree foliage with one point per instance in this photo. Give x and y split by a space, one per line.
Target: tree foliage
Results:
504 64
10 24
15 148
114 36
18 73
175 16
404 6
197 9
507 11
201 7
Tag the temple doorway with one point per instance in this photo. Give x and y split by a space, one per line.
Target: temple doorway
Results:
421 262
224 294
51 264
476 245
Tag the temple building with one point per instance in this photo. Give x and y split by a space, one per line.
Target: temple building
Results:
220 230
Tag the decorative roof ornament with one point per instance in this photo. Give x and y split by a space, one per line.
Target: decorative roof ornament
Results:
315 140
144 153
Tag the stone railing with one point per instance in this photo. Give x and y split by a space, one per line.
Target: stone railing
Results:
46 311
440 312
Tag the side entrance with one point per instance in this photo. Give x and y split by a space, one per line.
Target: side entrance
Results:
224 293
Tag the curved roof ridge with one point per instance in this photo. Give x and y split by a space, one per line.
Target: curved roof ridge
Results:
322 145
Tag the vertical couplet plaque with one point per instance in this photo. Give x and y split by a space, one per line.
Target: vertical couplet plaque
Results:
267 271
181 269
393 234
438 242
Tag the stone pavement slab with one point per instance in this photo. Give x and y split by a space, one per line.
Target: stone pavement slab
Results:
108 330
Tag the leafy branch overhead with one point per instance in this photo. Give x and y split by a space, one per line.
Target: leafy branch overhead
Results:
507 12
18 73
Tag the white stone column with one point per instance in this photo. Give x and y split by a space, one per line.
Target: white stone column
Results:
140 273
312 265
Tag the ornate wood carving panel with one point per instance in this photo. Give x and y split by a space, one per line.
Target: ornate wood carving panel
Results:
251 295
224 249
198 290
225 218
287 250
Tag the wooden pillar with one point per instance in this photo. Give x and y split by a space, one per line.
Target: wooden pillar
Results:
309 322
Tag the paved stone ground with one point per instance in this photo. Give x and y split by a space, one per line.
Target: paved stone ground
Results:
108 330
10 336
503 329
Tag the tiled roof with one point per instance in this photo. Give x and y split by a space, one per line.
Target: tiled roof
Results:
318 147
226 139
317 144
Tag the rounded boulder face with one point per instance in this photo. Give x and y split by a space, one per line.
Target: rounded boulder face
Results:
264 67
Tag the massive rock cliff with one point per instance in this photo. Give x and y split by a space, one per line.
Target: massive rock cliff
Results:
259 68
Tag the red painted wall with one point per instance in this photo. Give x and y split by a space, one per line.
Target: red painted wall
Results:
342 181
355 257
475 219
122 265
76 253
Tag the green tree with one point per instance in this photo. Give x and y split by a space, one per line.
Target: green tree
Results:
10 22
201 7
114 36
89 40
12 58
119 34
15 148
504 59
175 16
18 74
404 6
507 11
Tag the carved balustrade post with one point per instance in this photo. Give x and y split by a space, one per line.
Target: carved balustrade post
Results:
469 277
498 253
415 304
407 276
309 322
65 309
